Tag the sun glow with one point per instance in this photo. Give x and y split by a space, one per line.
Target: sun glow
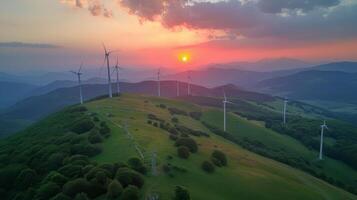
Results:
184 57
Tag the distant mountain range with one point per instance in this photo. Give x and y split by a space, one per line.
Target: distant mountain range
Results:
266 65
11 92
233 74
314 85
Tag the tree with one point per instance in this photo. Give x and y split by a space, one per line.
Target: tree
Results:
207 166
181 193
114 189
61 196
82 126
128 176
219 158
130 193
47 190
137 165
183 152
26 178
81 196
71 188
188 142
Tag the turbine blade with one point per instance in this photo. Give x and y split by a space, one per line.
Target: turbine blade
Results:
105 49
80 68
109 52
73 72
112 71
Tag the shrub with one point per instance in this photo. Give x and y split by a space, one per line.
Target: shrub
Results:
130 193
76 157
94 137
48 190
112 168
114 189
177 111
56 177
55 160
101 178
71 171
82 126
187 142
173 137
207 166
155 118
61 196
78 109
181 193
94 171
196 115
174 120
26 178
104 130
85 149
127 176
96 119
155 124
166 168
163 106
183 152
81 196
149 122
79 185
9 174
219 158
137 165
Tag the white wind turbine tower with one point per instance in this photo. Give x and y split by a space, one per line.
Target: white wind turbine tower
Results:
225 101
117 68
158 82
107 54
78 74
323 127
284 110
188 84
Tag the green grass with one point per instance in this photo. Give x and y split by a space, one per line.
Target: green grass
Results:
247 176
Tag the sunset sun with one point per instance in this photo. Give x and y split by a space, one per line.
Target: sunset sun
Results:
184 58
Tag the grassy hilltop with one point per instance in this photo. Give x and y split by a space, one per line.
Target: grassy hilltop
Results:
109 132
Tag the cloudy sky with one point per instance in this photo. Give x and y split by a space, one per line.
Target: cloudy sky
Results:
56 34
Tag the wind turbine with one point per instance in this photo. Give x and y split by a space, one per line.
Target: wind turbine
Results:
107 54
188 84
284 110
323 127
78 74
225 101
177 88
158 82
117 68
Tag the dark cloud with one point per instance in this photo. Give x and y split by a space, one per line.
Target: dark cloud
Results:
146 9
277 6
253 19
27 45
95 7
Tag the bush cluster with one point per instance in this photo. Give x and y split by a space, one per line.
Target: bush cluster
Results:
218 158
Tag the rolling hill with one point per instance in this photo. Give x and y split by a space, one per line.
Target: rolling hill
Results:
81 151
39 106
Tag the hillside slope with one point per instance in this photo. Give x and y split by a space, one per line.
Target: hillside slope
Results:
137 129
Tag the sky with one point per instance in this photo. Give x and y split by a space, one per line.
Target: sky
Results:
60 34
